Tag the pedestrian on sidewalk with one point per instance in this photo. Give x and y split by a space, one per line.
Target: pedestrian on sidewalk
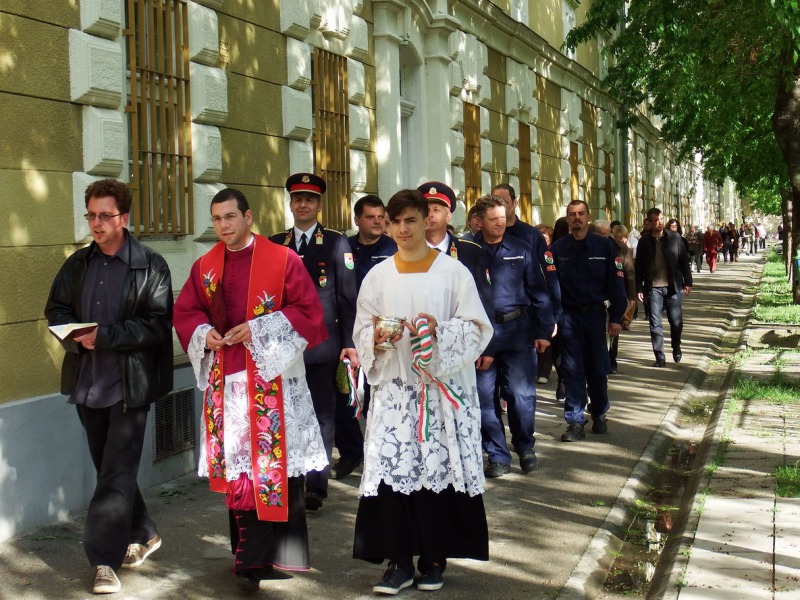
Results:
422 483
663 275
712 244
695 240
590 274
113 372
620 236
244 330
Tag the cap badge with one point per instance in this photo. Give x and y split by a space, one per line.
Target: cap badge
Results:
432 191
305 179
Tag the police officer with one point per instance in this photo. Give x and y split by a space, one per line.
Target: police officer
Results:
329 260
590 274
523 316
441 204
369 246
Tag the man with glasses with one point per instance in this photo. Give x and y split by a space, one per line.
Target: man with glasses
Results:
115 371
328 258
244 316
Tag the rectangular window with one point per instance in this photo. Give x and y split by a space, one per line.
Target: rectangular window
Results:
574 178
472 153
160 117
332 136
525 189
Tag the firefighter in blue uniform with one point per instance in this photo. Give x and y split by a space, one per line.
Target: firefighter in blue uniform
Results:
329 260
369 246
591 276
523 317
441 204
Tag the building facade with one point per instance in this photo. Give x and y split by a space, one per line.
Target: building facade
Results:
182 98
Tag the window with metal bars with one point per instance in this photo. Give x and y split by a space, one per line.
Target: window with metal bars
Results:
525 191
574 176
332 136
160 117
174 424
472 153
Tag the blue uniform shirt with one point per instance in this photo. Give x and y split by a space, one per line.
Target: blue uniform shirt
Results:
534 238
590 272
367 256
517 282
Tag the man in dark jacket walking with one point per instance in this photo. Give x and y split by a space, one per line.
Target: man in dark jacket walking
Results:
663 276
115 371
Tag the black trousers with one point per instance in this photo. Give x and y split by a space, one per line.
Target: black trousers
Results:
321 380
348 436
260 545
117 513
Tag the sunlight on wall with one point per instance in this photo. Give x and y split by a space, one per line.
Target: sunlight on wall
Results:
34 181
8 477
20 236
7 62
56 508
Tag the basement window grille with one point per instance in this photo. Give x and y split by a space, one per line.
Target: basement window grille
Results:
174 423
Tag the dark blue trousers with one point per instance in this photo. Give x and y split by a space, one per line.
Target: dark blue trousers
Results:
585 362
514 371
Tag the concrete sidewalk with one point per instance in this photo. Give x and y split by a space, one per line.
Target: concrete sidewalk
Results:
552 533
746 543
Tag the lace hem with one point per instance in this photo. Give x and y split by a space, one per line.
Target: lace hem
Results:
451 456
275 344
198 357
457 346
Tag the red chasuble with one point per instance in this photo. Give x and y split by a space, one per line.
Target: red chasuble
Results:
266 415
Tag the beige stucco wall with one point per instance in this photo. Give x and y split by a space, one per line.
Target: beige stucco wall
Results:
545 20
548 94
39 148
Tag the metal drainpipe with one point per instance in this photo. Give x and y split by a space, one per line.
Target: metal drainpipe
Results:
623 159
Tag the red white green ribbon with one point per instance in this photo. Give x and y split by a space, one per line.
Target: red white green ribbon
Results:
353 385
421 356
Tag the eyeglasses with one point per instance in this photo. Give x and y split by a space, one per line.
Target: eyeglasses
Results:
229 218
104 217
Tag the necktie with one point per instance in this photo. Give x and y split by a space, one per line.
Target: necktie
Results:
303 245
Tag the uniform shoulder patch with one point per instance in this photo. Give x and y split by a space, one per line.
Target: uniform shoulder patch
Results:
348 260
548 257
618 263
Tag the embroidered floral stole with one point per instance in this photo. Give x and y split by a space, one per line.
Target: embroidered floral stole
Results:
265 411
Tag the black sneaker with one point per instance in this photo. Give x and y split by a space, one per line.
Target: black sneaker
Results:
432 580
574 433
495 470
599 424
394 580
248 581
528 461
344 466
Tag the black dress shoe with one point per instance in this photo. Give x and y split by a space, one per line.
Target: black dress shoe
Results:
677 356
528 461
314 500
495 470
248 581
660 362
345 466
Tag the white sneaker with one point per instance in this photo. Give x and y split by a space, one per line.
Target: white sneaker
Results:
541 380
106 581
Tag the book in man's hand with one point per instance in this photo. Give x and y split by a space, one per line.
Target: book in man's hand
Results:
71 330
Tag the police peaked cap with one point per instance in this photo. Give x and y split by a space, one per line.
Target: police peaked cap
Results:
436 191
305 183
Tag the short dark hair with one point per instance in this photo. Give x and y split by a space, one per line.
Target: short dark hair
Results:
407 199
111 187
484 203
472 212
560 229
678 223
576 201
231 194
653 211
506 187
368 200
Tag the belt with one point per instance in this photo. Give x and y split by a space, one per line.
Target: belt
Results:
585 307
505 318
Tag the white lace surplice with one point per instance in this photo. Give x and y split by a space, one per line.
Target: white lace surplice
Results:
392 453
277 349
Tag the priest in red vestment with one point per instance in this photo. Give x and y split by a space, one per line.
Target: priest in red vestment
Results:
244 317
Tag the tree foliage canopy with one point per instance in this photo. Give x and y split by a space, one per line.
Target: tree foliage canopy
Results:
711 69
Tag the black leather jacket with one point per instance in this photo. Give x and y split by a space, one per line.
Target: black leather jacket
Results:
142 335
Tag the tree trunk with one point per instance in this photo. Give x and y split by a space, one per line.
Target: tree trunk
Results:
786 124
786 215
